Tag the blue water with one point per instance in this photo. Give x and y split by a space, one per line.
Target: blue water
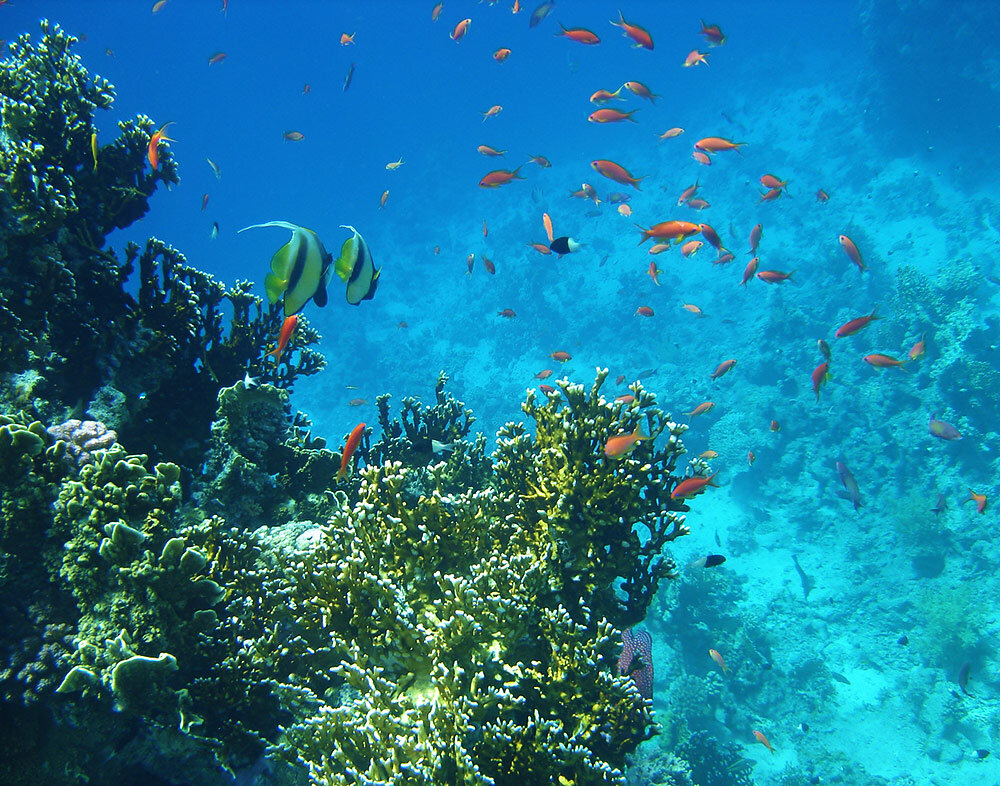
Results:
894 113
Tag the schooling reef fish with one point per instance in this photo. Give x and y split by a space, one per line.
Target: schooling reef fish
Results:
353 440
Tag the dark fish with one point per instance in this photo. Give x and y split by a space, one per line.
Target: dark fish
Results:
618 198
564 245
942 430
840 677
708 561
941 507
648 372
718 540
593 213
982 753
350 76
993 280
540 13
903 640
808 582
803 727
853 493
963 679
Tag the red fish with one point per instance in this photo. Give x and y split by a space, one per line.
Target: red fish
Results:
501 54
717 144
687 194
436 12
204 202
701 409
677 231
490 267
822 196
153 151
639 89
697 204
884 361
701 158
775 276
751 458
852 251
722 369
346 39
654 273
486 231
636 32
857 324
644 311
755 235
353 440
579 34
772 181
611 116
623 444
284 335
749 270
544 374
547 389
770 196
541 248
690 247
711 236
507 313
499 177
918 349
713 34
670 133
692 487
560 356
542 161
775 426
979 499
615 172
820 376
460 30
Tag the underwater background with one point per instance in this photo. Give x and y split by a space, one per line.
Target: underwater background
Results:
855 610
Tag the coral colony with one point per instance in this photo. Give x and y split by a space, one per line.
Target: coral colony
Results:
185 578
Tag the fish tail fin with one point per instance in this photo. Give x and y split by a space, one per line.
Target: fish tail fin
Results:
515 175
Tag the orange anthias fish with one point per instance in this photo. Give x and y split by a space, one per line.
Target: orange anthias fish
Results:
670 230
670 133
775 276
623 444
560 356
542 161
639 89
493 111
501 54
693 309
287 327
884 361
772 181
579 34
346 39
383 199
820 376
293 136
499 177
713 34
218 57
692 487
603 96
624 210
852 251
636 32
701 158
353 440
722 369
716 144
644 311
763 740
711 236
979 499
654 273
701 409
918 349
751 458
695 58
616 172
460 30
689 248
153 151
857 324
659 248
611 116
436 11
749 270
547 223
544 374
490 267
486 150
822 196
714 654
687 193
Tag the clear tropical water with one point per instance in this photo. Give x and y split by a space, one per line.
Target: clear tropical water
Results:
851 666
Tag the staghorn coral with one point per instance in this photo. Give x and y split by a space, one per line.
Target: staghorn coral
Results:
602 521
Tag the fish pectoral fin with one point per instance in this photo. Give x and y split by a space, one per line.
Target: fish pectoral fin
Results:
344 265
275 287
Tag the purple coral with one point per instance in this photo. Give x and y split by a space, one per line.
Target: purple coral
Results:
636 660
83 438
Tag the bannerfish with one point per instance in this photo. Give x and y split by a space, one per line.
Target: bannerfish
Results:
300 269
356 267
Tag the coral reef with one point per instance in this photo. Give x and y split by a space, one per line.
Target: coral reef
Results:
83 438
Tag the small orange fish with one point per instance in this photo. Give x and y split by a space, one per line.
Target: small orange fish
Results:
579 34
486 231
636 32
708 454
541 248
507 313
383 199
493 111
490 267
544 374
560 356
547 390
486 150
691 247
626 398
697 204
460 30
153 151
718 659
670 133
306 88
542 161
711 236
624 210
822 196
603 96
755 235
678 231
654 273
695 58
547 223
644 311
692 308
701 158
918 349
857 324
436 11
639 89
884 361
615 172
979 499
659 248
751 458
623 444
353 440
346 39
763 740
293 136
692 487
820 376
716 144
283 336
852 251
775 276
713 34
772 181
218 57
357 402
499 177
722 369
619 379
516 8
611 116
701 409
775 426
501 54
687 193
770 196
204 202
158 6
469 262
